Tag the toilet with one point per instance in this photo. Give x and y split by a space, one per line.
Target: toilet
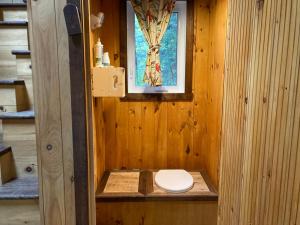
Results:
174 181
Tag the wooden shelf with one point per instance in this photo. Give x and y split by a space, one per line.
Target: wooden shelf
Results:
20 189
138 185
13 5
108 82
17 115
20 52
14 23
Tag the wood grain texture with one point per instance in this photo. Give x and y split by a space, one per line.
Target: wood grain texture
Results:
120 182
260 169
156 134
13 14
154 213
8 64
139 185
13 36
14 98
108 82
19 212
7 168
22 188
51 76
20 135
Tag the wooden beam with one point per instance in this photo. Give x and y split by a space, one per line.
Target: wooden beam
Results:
51 76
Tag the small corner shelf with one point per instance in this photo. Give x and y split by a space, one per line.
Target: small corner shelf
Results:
23 188
108 82
135 185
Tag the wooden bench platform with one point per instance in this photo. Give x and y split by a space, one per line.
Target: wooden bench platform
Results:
140 186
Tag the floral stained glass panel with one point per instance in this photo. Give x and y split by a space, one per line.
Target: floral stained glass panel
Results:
168 53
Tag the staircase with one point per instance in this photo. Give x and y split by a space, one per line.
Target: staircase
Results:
18 157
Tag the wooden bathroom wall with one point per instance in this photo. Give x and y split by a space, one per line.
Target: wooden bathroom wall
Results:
260 166
166 134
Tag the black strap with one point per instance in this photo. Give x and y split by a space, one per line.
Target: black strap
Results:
78 102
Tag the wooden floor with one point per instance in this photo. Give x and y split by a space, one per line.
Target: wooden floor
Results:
140 185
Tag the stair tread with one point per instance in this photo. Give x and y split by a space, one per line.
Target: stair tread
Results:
13 5
20 189
14 23
12 82
4 149
20 52
17 115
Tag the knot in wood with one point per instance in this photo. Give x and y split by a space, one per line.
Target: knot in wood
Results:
260 4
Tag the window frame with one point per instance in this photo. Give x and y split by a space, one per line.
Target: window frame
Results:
161 96
180 8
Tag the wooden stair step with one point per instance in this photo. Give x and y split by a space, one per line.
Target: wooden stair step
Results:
20 23
13 5
17 115
15 96
22 188
7 165
4 149
11 82
20 52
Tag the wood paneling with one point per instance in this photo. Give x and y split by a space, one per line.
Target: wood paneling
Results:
19 212
13 14
260 166
20 135
218 24
7 167
13 36
154 213
8 64
157 134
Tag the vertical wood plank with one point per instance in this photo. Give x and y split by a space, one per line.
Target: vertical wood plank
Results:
186 135
49 44
49 131
262 143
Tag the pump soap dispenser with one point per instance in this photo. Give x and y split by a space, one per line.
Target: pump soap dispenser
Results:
99 53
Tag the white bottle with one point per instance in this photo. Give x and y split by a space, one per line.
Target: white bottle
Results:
106 60
99 53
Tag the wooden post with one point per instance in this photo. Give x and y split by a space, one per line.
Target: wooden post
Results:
52 94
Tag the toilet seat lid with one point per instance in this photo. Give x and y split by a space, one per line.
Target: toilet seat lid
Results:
175 181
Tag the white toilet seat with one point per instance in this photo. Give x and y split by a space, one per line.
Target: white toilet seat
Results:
174 181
